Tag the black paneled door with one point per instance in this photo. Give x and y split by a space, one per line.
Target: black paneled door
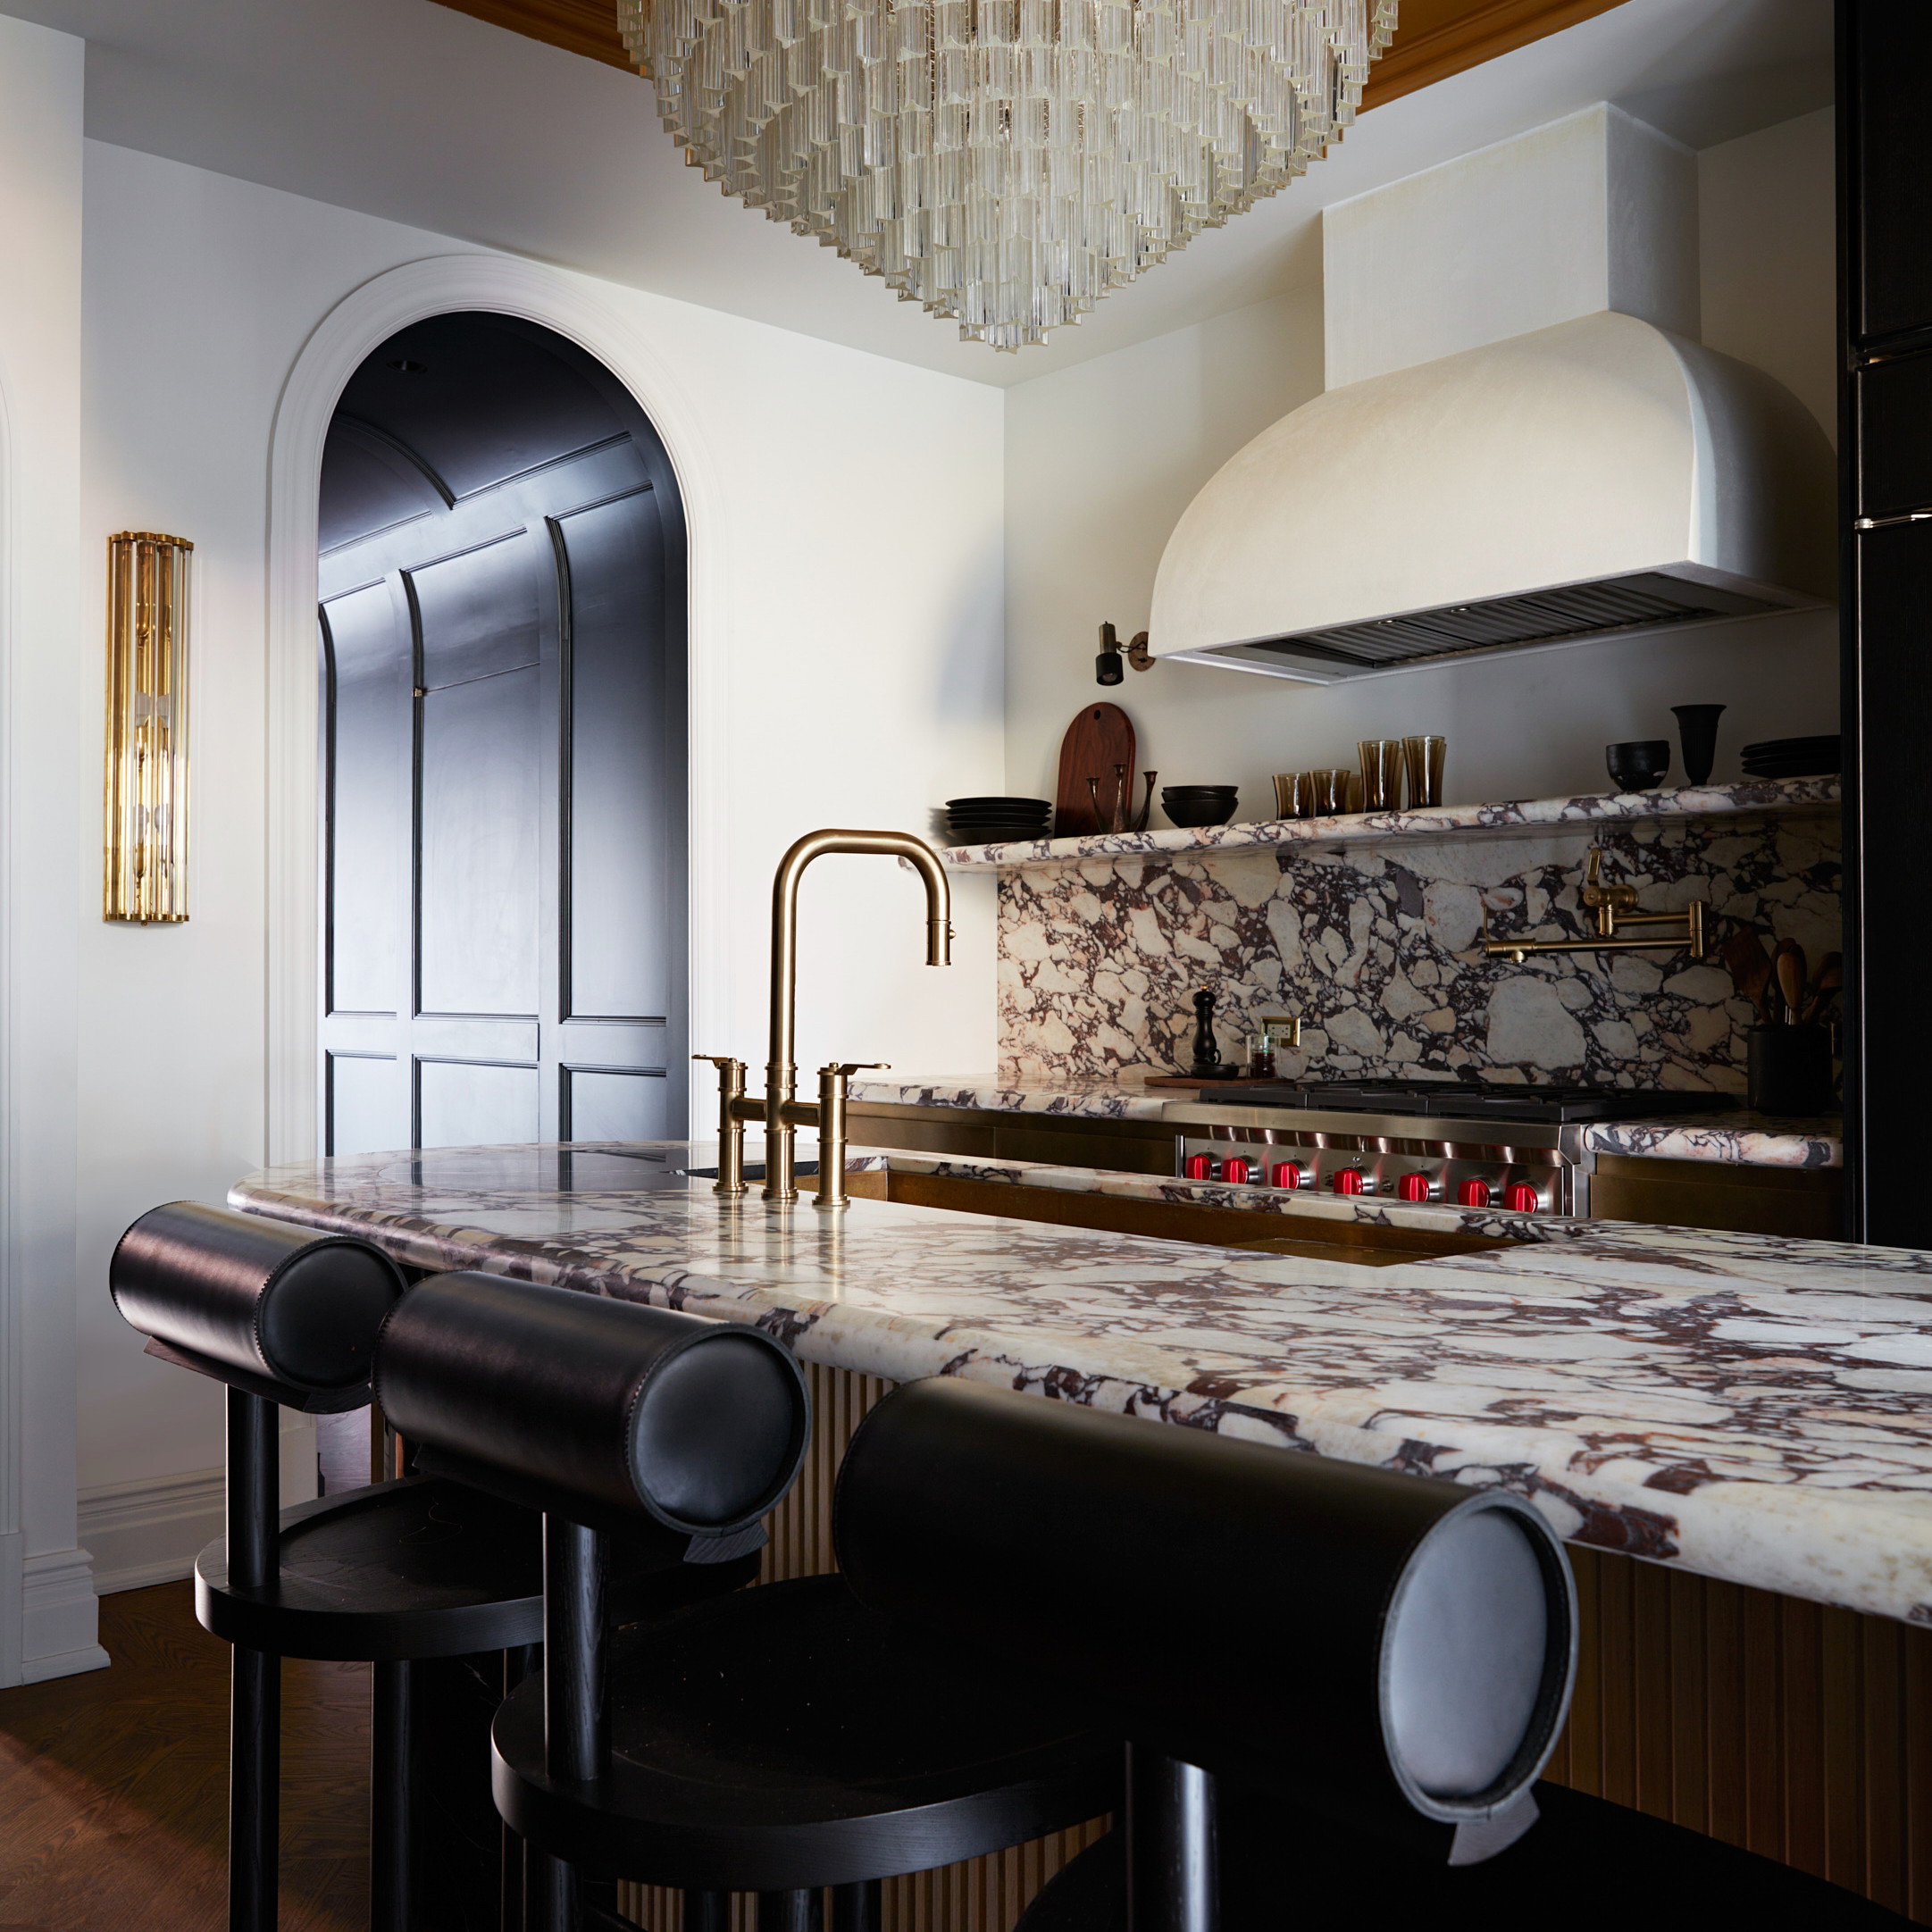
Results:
503 775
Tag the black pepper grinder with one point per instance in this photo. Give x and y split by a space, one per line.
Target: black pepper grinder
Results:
1207 1062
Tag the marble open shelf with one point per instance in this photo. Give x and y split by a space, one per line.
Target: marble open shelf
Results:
1751 798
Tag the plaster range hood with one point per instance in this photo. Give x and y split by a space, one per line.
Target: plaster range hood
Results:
1601 477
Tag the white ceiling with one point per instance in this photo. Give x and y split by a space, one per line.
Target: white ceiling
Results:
403 109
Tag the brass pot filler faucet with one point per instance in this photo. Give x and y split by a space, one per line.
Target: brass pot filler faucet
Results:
780 1111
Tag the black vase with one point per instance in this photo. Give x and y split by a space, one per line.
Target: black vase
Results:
1697 733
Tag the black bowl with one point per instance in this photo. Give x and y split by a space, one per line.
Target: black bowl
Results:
1017 807
1168 791
998 819
1191 813
1639 764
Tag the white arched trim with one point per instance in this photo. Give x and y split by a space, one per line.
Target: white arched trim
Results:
357 325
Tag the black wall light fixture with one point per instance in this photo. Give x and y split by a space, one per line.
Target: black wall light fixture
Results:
1109 668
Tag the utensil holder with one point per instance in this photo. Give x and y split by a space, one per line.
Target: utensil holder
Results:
1788 1069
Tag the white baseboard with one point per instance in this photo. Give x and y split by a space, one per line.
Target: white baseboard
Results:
151 1530
58 1616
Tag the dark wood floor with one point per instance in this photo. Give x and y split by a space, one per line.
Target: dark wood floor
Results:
114 1786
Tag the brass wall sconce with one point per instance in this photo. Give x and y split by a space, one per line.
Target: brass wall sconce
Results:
146 835
1108 668
1615 908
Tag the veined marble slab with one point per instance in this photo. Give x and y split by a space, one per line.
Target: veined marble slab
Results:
1747 1407
1738 1139
1584 813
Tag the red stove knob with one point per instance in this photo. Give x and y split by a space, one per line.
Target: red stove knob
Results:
1474 1194
1198 1168
1414 1187
1286 1173
1348 1180
1520 1198
1238 1171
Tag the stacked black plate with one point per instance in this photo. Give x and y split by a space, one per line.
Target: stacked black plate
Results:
1793 757
997 820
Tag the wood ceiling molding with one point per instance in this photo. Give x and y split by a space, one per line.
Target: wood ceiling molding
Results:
586 26
1437 37
1440 37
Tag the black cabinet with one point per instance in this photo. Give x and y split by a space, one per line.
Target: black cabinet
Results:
1885 132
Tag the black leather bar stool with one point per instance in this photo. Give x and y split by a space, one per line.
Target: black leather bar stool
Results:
1386 1651
781 1742
405 1571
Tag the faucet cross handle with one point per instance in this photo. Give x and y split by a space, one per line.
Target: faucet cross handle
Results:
1597 893
730 1177
831 1110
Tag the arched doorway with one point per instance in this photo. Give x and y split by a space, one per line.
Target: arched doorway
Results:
502 762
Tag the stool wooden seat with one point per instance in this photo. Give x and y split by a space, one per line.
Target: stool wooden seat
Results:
789 1738
1592 1865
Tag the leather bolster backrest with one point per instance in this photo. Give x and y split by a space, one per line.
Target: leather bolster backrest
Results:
264 1297
699 1425
1399 1644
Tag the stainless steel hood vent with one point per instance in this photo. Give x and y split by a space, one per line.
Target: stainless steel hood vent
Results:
1601 478
1568 615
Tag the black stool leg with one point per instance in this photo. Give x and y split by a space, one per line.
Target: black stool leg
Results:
254 1789
391 1785
575 1725
254 1693
1173 1879
707 1912
791 1912
858 1908
549 1893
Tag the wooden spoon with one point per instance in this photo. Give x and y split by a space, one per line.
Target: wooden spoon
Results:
1750 966
1788 964
1830 979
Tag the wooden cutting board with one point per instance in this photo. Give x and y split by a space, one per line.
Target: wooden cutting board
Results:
1099 738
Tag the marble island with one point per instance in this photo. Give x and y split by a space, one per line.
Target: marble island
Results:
1747 1408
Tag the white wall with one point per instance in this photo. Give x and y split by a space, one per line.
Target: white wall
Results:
1102 458
47 1607
859 636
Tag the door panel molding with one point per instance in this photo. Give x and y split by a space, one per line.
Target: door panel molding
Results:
341 340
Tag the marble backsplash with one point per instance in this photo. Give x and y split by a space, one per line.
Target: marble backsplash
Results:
1379 948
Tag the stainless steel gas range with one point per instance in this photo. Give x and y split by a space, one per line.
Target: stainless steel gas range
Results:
1520 1148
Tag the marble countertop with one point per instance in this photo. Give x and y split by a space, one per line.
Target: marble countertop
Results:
1747 1407
1584 813
1736 1137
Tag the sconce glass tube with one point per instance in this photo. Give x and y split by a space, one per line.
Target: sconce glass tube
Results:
147 786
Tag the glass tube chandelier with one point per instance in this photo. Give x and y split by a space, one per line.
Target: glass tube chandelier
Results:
1006 163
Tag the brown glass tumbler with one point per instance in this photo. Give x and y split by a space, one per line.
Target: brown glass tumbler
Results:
1382 773
1425 758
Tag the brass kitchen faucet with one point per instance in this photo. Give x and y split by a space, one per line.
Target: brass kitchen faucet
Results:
780 1111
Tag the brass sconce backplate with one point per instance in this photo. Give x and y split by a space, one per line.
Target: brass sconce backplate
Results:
145 836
